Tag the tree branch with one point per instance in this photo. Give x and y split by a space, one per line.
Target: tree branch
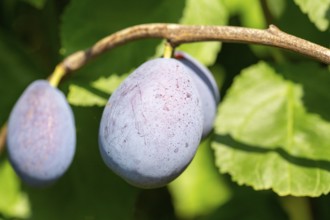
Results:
178 34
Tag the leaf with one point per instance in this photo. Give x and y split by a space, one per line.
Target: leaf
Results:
36 3
14 202
200 189
272 133
82 96
244 9
109 84
276 7
206 12
248 204
292 20
317 11
17 71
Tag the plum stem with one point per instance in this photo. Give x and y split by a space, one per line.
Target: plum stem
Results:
55 78
168 50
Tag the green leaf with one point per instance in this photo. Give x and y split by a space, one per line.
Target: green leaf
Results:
244 8
273 129
317 11
248 204
82 96
14 202
206 12
276 7
109 84
36 3
200 189
294 26
17 71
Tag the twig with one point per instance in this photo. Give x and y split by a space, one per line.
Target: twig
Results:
178 34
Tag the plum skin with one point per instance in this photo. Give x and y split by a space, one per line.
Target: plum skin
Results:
41 135
152 125
206 86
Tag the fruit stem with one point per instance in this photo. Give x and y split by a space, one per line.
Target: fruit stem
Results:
56 76
168 50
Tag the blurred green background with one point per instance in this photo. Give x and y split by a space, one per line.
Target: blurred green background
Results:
271 140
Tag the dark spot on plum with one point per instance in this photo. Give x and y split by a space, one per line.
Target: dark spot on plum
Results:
176 150
186 145
106 131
